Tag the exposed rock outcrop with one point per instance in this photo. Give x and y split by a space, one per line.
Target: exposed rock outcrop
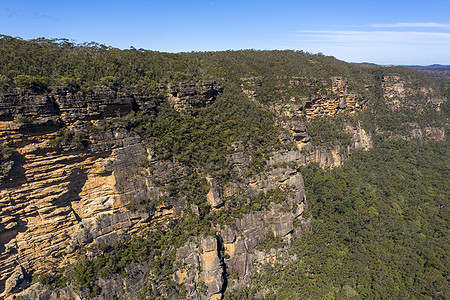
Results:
400 92
324 157
58 199
249 85
340 99
187 95
433 133
330 97
200 269
114 287
52 201
201 264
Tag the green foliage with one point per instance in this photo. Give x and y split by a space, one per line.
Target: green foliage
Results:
5 82
34 82
242 294
270 242
5 153
52 62
71 139
238 205
380 222
52 279
144 204
379 227
154 250
24 119
327 132
204 141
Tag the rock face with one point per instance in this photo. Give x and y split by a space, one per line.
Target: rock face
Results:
115 287
201 264
433 133
208 266
329 98
102 102
15 279
51 202
339 100
249 86
400 92
56 200
201 270
187 95
70 105
325 157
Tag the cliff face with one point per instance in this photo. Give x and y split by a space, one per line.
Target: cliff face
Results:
401 92
325 157
56 198
187 95
68 187
315 98
51 197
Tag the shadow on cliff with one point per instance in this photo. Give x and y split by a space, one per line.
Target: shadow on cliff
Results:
221 248
8 231
74 182
14 179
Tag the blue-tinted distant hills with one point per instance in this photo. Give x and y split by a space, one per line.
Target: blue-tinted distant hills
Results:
435 67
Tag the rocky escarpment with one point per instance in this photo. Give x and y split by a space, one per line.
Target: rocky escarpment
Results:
204 265
57 197
52 201
60 197
433 133
339 99
325 157
401 92
70 184
249 86
308 97
187 95
72 105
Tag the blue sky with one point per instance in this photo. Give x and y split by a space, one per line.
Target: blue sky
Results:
382 31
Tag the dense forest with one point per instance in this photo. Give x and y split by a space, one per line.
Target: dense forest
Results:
379 229
378 222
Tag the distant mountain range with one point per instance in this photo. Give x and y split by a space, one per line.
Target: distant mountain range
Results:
434 67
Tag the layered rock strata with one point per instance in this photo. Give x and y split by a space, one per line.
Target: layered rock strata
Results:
201 264
55 199
399 92
187 95
330 97
324 157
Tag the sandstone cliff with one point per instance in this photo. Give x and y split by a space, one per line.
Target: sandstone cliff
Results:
69 186
58 197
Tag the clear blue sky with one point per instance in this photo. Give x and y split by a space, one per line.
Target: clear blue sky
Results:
379 31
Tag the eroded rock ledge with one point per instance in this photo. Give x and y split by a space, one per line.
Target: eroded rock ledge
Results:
54 200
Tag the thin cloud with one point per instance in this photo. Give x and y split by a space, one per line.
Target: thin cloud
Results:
12 14
50 17
41 16
412 25
377 46
358 38
30 15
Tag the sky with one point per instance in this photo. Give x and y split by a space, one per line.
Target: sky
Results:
399 32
